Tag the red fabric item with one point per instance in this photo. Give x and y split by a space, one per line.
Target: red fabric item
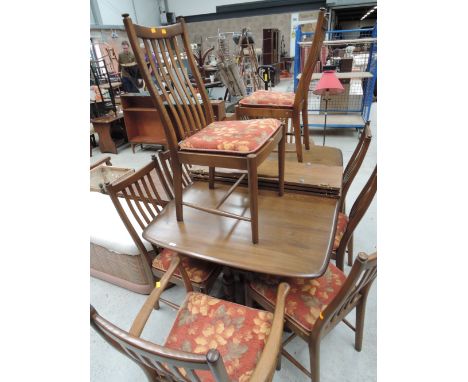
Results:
239 333
329 83
307 298
197 270
232 136
340 230
269 98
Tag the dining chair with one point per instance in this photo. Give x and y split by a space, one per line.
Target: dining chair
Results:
350 172
315 306
289 105
139 199
346 224
192 135
210 339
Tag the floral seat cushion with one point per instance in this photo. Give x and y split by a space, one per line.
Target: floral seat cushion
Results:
197 270
340 230
307 298
239 333
269 98
236 137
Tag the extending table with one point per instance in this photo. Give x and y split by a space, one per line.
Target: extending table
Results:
296 231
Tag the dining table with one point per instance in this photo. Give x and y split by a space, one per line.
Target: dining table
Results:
296 230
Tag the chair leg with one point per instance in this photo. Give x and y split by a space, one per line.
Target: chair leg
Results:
305 124
281 161
247 297
314 354
360 315
296 122
350 251
177 169
211 174
253 195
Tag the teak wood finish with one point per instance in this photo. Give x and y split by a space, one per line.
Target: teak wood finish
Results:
353 294
301 97
146 193
358 210
297 231
350 173
160 363
182 114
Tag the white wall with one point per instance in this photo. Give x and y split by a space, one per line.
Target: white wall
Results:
198 7
147 12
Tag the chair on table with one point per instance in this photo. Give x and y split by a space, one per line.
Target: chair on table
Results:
349 174
139 199
287 105
192 136
210 339
315 306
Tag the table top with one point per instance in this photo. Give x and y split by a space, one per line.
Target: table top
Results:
107 118
296 231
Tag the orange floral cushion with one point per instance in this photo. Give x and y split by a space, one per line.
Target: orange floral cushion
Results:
340 230
239 333
197 270
268 98
232 136
307 297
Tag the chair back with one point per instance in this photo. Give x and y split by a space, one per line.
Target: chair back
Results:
158 362
356 160
355 288
302 90
145 193
165 70
358 210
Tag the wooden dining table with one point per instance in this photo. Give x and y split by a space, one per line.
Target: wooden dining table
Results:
296 230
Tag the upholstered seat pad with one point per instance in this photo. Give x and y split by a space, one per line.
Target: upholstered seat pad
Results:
238 137
307 298
197 270
107 228
269 98
340 230
239 333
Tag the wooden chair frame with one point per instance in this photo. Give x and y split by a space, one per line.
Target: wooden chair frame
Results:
301 96
149 189
350 173
353 294
106 160
358 210
163 364
182 115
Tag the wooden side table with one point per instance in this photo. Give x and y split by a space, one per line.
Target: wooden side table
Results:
103 127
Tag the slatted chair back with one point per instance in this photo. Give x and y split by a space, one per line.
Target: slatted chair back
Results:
358 210
170 58
354 290
356 160
302 90
159 363
145 193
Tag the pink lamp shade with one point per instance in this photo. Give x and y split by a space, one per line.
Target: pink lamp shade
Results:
329 83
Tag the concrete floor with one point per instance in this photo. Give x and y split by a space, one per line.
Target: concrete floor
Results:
339 360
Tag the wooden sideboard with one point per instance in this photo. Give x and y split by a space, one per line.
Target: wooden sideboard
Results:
143 122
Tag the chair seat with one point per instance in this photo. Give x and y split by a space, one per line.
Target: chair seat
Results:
238 137
269 98
340 230
239 333
307 298
197 270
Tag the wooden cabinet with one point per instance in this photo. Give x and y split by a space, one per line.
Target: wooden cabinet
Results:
142 120
271 51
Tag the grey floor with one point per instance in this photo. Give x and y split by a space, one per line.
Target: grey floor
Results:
339 360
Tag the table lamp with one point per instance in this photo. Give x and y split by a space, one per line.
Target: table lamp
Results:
328 85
